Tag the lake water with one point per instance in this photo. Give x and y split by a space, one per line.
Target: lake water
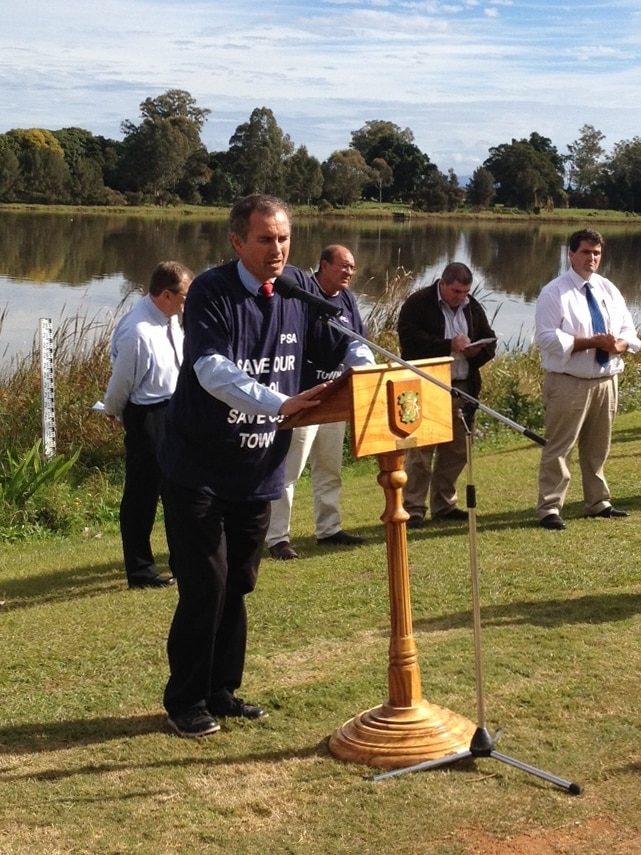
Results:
58 265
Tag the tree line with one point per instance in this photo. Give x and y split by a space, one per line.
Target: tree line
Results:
162 160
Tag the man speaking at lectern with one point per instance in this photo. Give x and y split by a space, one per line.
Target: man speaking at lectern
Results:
223 455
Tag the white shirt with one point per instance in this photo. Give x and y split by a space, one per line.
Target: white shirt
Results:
562 314
455 324
145 365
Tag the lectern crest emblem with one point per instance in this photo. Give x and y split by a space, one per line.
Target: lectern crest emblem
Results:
404 407
408 405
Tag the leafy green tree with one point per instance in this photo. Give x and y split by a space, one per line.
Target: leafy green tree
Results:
383 175
258 152
195 177
43 170
222 187
524 176
377 135
621 180
345 174
164 155
85 160
544 146
10 178
480 188
585 166
435 193
455 193
303 177
378 140
176 105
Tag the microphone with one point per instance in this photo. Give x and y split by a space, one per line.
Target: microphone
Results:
288 288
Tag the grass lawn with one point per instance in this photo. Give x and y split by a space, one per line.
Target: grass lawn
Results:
88 764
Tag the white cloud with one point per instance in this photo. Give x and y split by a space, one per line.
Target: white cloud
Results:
463 76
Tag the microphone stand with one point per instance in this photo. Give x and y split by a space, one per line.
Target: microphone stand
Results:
455 393
482 743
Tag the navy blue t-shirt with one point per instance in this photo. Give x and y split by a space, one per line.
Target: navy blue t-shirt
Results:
350 318
210 446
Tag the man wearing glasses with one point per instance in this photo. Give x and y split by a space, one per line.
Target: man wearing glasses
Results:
146 354
321 444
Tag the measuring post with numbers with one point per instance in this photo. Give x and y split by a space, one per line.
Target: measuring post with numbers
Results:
47 389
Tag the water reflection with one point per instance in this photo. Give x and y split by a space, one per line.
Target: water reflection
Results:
56 264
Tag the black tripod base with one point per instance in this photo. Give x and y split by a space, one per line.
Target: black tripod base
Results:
482 745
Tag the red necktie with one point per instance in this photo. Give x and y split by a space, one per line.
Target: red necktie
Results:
266 289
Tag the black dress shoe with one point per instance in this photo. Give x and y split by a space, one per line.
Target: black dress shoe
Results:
151 581
610 513
415 521
229 706
195 722
552 522
454 514
283 551
341 538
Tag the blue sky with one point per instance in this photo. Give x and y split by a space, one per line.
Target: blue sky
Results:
463 76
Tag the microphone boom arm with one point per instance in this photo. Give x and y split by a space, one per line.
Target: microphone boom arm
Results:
455 393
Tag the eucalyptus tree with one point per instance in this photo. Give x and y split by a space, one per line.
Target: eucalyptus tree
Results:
528 174
621 179
438 192
258 152
544 146
164 155
222 187
382 174
345 174
586 159
480 188
85 157
381 140
303 179
176 104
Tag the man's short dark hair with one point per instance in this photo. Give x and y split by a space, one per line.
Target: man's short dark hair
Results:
168 276
456 271
245 207
587 235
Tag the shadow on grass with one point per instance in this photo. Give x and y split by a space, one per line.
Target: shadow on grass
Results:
39 737
627 435
63 585
602 608
487 521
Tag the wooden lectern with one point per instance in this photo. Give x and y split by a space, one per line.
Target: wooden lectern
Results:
391 409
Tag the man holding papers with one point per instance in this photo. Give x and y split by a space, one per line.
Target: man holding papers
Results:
444 320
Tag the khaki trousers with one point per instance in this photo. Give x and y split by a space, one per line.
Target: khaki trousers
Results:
323 445
577 412
434 469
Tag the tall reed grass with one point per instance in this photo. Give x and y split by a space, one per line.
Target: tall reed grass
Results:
90 494
87 497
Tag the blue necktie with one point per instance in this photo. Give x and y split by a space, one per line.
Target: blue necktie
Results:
598 324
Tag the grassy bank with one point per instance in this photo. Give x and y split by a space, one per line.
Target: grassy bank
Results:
362 210
89 764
